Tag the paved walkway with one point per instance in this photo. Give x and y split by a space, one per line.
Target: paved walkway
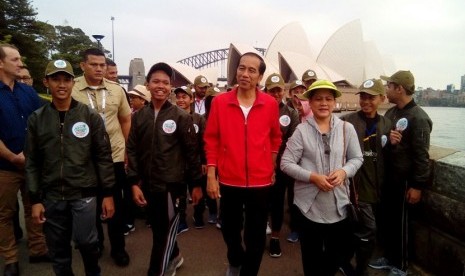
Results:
204 255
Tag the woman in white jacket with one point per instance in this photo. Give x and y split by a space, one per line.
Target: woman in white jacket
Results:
321 155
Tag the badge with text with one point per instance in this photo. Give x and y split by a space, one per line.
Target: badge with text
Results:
169 126
196 127
368 84
274 79
284 120
80 129
402 124
383 140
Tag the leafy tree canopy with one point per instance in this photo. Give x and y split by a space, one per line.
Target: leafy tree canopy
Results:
38 42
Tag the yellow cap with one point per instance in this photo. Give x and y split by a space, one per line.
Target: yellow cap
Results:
322 84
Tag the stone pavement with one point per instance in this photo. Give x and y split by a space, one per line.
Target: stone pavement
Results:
203 250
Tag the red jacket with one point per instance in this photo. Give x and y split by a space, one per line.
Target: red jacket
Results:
242 149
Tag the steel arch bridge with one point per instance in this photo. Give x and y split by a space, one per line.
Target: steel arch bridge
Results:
212 57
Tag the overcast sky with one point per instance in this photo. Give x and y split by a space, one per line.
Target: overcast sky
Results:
426 37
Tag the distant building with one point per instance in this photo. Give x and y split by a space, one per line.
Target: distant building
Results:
137 72
462 84
450 88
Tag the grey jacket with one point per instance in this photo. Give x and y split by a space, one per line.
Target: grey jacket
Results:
304 154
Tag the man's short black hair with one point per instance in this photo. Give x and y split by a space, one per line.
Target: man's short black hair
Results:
161 66
261 67
92 52
110 62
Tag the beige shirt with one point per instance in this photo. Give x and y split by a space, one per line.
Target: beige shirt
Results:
116 105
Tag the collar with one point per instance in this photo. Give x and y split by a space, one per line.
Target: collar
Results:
258 98
15 85
362 115
165 105
73 104
81 84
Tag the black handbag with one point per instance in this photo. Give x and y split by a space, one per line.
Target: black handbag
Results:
352 208
353 213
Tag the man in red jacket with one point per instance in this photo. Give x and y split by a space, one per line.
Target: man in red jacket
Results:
242 140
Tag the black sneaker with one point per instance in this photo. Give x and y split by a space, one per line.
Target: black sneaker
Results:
198 223
121 258
182 227
129 228
275 248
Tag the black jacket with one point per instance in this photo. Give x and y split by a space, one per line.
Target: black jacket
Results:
409 160
199 125
69 162
366 192
162 150
288 121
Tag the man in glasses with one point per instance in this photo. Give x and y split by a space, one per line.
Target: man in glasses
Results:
109 100
25 77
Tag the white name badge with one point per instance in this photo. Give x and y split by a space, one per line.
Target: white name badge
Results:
80 129
383 140
284 120
169 126
402 124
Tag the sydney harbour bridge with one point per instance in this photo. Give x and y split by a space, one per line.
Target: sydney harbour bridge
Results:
199 61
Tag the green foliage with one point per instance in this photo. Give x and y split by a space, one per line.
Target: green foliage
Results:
38 42
69 44
19 27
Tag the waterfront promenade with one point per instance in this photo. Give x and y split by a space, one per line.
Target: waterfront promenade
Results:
204 255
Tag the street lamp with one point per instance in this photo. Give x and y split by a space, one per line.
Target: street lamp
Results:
113 37
98 38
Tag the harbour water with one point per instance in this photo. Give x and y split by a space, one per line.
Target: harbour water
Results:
448 126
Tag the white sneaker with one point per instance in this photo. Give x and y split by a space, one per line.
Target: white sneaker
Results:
173 265
396 272
380 263
233 270
268 228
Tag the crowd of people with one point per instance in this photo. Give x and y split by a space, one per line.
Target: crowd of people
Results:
98 154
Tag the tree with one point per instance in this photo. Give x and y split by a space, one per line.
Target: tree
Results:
38 42
70 43
19 27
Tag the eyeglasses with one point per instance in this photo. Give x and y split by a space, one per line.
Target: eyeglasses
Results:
325 139
24 79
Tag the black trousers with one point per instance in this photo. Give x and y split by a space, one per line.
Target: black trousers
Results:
206 200
394 222
253 203
324 247
162 207
278 193
68 219
116 225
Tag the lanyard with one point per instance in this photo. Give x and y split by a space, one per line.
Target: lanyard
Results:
198 105
369 132
104 96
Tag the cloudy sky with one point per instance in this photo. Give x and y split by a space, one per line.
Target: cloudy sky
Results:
424 36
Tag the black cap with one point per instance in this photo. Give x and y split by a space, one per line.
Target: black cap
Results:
161 66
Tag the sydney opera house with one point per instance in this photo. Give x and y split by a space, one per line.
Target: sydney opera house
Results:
346 59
